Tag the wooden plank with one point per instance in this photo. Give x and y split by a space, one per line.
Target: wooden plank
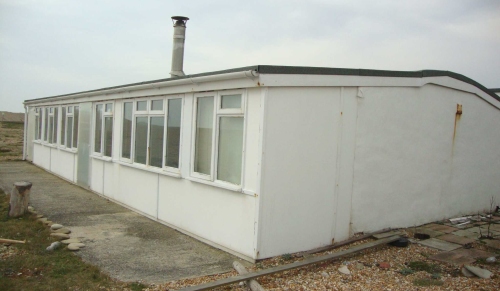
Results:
346 242
309 261
11 241
252 284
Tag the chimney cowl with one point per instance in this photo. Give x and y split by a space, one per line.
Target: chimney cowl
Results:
178 46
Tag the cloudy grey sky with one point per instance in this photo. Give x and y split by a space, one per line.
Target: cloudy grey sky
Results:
52 47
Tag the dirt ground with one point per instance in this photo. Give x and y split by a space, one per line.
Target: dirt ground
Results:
11 140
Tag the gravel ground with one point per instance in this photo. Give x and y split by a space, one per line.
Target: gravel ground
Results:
366 274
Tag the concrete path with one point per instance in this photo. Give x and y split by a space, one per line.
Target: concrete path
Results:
122 243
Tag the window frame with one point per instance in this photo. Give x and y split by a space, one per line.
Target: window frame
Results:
218 112
150 113
62 144
105 114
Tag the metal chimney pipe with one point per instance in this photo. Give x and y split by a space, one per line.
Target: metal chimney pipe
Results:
178 47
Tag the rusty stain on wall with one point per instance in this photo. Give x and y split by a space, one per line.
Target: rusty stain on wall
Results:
457 119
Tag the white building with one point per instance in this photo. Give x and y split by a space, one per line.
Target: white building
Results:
265 160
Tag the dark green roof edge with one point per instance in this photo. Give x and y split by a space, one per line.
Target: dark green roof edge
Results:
267 69
495 89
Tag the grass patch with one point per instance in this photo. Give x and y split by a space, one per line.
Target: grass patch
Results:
423 266
30 267
427 282
13 125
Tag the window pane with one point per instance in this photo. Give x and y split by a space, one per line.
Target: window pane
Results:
127 129
40 115
55 125
230 149
108 136
37 120
98 128
75 129
69 132
157 105
142 105
51 124
231 101
141 139
204 130
156 141
70 109
173 132
46 124
63 125
109 107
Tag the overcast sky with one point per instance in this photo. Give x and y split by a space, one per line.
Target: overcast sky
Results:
52 47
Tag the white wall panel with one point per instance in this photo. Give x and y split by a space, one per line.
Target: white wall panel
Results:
222 216
417 161
97 175
299 169
41 156
138 189
62 163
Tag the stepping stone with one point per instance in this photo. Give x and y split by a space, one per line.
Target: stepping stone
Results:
429 232
80 245
481 273
42 219
492 243
73 247
62 230
60 235
39 216
467 273
30 208
440 227
461 240
466 233
439 244
56 226
461 256
387 234
70 240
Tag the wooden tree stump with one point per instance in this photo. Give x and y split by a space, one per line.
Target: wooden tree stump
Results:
19 198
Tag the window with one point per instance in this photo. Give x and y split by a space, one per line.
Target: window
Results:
218 154
103 129
151 132
69 127
38 123
52 125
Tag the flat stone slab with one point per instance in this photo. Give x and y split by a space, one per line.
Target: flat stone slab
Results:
73 247
439 244
70 241
56 226
428 231
494 243
466 233
62 230
60 235
481 273
461 240
461 256
387 234
440 227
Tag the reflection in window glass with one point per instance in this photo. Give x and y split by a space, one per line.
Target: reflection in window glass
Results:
230 149
231 101
173 132
46 124
54 139
108 135
156 141
75 129
157 105
51 126
69 132
63 125
204 131
127 130
141 139
98 128
142 105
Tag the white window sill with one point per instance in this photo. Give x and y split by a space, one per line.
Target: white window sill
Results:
73 151
221 184
102 158
149 169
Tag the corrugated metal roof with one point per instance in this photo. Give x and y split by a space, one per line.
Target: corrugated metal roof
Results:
266 69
